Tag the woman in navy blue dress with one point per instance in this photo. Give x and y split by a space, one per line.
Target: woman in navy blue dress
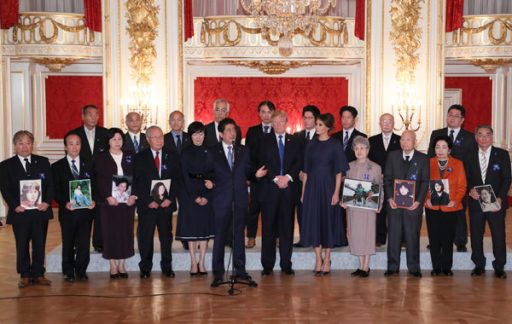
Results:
195 220
321 214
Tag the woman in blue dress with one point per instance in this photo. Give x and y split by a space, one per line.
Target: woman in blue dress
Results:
324 165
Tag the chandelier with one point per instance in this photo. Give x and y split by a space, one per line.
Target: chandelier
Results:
285 18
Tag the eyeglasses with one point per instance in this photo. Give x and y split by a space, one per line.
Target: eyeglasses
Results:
454 116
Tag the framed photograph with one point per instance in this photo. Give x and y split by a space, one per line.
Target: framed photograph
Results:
487 199
121 188
439 192
80 193
403 193
31 193
160 190
361 194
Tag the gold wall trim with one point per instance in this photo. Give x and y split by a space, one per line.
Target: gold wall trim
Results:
166 60
180 55
271 67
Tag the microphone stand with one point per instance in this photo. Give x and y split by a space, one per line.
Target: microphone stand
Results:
233 278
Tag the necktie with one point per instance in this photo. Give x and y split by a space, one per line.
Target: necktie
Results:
386 142
407 158
74 170
27 165
451 135
265 129
281 152
136 144
345 140
230 157
483 165
157 162
178 143
308 135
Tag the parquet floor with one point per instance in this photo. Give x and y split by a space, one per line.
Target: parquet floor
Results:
279 298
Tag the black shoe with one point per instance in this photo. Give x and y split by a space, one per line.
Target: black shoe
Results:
169 274
500 274
364 274
288 271
216 282
318 273
356 273
298 244
435 273
448 273
115 275
462 248
477 271
390 273
266 272
70 278
416 274
145 274
82 277
123 275
193 274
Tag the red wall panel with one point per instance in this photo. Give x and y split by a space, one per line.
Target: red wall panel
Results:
65 97
476 98
289 94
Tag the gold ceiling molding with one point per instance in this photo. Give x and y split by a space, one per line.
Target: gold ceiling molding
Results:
405 36
218 32
142 20
491 64
55 64
271 67
504 24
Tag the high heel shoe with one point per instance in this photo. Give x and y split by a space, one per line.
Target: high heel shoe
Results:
123 275
114 275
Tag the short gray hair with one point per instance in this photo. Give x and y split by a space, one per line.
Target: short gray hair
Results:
221 100
360 140
149 131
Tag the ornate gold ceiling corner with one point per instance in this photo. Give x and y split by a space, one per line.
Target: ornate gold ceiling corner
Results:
142 20
491 64
271 67
405 36
55 64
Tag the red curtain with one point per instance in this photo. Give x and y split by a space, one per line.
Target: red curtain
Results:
92 12
476 98
289 94
188 20
454 11
9 13
65 97
359 23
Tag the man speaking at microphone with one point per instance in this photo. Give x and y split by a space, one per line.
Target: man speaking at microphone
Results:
231 166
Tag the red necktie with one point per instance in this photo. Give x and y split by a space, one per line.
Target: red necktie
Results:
157 162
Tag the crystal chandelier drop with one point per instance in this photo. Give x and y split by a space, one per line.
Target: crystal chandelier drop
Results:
284 18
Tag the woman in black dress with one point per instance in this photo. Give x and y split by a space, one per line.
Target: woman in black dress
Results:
324 164
116 218
195 221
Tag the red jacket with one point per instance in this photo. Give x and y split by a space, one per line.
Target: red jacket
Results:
456 176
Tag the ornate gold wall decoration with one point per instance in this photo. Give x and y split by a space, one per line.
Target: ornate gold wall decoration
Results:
501 25
405 36
54 64
271 67
491 64
142 19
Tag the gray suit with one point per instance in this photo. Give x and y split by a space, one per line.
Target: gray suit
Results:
402 221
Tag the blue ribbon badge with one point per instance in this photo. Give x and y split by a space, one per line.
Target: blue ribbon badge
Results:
496 167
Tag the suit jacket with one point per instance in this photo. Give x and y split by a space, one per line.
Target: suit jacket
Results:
145 171
61 177
100 142
417 169
170 145
498 173
378 153
349 153
129 146
104 168
253 139
230 182
211 137
12 171
463 144
292 164
456 176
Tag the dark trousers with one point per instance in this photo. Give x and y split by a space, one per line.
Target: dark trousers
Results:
30 230
496 222
253 214
277 218
223 220
461 232
441 232
97 238
159 218
408 224
382 228
76 237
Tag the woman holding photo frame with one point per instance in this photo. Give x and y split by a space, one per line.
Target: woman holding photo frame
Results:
446 172
361 223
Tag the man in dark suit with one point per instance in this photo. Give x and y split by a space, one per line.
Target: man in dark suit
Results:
75 224
463 143
488 165
29 223
406 164
280 154
221 109
252 141
134 140
95 140
232 167
155 164
309 115
348 115
176 140
380 145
